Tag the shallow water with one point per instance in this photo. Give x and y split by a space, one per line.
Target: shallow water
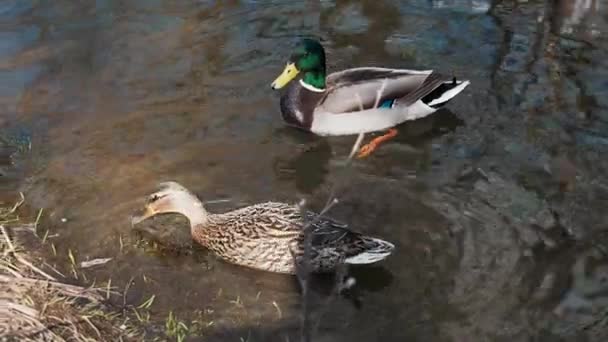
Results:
496 204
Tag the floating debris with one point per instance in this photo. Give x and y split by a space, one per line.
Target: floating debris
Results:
94 262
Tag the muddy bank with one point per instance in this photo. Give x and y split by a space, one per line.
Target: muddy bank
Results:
38 303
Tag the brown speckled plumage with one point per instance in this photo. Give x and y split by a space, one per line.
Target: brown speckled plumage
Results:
267 236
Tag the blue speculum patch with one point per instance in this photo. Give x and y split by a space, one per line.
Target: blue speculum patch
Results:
387 103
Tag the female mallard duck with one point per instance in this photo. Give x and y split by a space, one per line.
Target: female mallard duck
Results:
267 236
343 102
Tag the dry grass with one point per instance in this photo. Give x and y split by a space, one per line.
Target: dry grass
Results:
35 306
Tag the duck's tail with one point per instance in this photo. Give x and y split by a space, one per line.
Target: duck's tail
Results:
373 251
445 92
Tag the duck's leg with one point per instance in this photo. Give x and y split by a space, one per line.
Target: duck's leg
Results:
370 147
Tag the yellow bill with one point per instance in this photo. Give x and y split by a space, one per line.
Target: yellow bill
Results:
288 74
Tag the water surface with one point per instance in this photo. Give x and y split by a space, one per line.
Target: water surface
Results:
496 204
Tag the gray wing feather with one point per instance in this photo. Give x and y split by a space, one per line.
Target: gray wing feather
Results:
284 218
351 89
431 83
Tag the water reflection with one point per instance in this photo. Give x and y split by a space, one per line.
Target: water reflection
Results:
368 23
578 17
308 168
486 200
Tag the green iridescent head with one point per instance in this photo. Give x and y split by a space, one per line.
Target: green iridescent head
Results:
308 59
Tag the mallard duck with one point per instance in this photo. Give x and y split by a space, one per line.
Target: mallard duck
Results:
344 102
266 236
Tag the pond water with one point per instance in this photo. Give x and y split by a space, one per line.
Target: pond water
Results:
496 204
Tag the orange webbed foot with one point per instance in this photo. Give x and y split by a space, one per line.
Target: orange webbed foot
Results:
370 147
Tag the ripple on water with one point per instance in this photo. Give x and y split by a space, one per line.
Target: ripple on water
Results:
486 201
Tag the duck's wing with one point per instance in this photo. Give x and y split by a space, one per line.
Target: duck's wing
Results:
282 218
331 237
326 231
356 89
365 74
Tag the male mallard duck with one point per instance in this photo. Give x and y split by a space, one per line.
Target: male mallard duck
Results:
343 102
266 236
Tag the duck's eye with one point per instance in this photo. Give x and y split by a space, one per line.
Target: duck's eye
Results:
153 198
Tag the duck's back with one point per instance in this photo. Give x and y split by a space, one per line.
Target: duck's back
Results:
270 236
259 236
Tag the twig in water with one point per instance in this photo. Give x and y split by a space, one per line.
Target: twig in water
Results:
54 269
356 146
108 288
94 262
278 309
339 286
46 235
11 249
379 93
124 294
218 201
34 268
147 303
18 204
86 319
303 269
359 140
38 221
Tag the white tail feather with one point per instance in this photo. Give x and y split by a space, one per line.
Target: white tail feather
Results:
448 95
381 251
